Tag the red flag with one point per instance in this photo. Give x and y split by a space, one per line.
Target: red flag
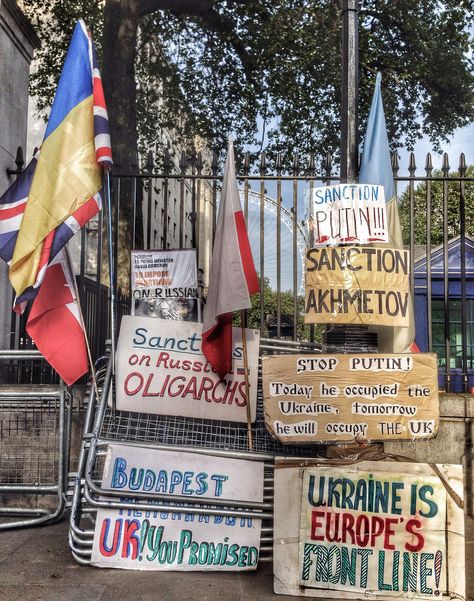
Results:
54 323
232 278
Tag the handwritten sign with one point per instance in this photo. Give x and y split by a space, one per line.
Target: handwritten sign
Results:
379 529
348 213
161 369
164 284
335 398
372 531
357 284
175 540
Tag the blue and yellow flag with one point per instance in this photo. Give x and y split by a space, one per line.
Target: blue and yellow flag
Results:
68 174
376 168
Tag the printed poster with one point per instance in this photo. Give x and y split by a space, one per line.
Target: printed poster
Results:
165 284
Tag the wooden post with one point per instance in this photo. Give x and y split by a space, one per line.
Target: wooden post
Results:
243 323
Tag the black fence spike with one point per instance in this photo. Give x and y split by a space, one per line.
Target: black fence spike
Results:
215 163
183 162
311 169
149 161
278 163
429 165
445 165
395 164
263 163
296 164
328 164
167 163
199 163
246 166
412 165
462 165
19 160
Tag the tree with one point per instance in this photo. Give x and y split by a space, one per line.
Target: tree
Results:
270 300
211 66
420 209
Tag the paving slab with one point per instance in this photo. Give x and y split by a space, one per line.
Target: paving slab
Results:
36 565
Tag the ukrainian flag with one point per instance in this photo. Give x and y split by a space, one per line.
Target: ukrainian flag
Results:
376 168
68 173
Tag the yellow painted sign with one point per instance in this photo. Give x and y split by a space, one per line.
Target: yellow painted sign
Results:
357 285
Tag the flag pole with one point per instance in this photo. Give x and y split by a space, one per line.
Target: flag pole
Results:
81 317
112 296
243 323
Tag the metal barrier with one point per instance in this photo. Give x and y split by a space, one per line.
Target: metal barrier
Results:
35 422
104 425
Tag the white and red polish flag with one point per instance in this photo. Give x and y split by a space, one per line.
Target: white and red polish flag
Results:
54 323
232 279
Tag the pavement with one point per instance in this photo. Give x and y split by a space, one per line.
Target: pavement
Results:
36 565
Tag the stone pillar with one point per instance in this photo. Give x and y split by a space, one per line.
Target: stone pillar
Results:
17 43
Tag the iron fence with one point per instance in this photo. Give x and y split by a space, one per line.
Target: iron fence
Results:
171 202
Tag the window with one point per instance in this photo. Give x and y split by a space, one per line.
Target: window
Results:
455 332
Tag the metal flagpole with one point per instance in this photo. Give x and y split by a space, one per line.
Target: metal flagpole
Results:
81 316
112 278
243 323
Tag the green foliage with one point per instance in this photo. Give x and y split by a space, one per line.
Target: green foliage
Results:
435 192
270 300
223 63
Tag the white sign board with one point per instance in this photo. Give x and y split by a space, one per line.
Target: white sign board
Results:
348 214
380 529
134 469
164 540
164 284
162 370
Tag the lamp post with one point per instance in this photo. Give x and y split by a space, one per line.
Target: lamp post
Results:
349 90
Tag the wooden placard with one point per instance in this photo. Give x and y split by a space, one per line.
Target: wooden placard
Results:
358 285
161 369
176 540
336 398
388 530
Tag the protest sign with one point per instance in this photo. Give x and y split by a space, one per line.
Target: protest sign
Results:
386 529
161 369
359 285
348 213
134 469
165 284
177 540
335 398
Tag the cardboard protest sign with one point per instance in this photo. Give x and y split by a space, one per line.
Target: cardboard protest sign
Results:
386 529
335 398
176 540
348 213
161 369
164 284
359 285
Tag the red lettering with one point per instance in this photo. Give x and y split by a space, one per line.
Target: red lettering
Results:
362 526
376 528
207 385
388 533
147 386
334 536
348 527
412 525
190 388
130 539
103 538
163 360
315 524
127 390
